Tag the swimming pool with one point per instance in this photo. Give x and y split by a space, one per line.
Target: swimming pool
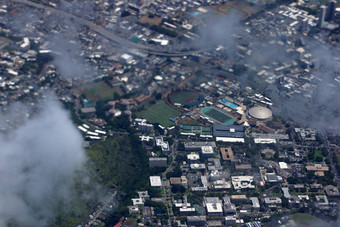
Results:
231 105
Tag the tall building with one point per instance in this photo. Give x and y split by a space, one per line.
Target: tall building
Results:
305 25
330 10
322 15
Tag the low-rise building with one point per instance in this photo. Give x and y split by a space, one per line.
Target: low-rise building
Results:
230 131
321 201
179 181
273 178
238 198
207 151
193 157
228 207
242 182
332 191
138 202
227 154
243 167
318 169
196 146
145 127
273 201
155 181
213 206
158 162
197 166
286 193
133 210
196 220
255 203
163 144
230 220
187 211
294 202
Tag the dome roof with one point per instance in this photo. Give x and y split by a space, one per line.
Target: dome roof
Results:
261 113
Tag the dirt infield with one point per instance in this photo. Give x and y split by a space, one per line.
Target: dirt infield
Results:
244 9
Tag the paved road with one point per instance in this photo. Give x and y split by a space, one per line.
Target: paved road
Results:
109 35
168 197
102 209
333 164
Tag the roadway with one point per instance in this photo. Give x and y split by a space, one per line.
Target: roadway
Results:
330 157
99 212
107 34
168 197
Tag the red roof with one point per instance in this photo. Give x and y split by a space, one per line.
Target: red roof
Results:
118 224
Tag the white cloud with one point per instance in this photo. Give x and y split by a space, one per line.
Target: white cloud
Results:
37 165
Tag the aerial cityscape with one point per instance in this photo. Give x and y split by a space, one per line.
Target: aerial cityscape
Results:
119 113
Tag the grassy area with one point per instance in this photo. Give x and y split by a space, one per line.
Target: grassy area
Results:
159 113
99 91
317 153
131 222
268 156
302 218
182 97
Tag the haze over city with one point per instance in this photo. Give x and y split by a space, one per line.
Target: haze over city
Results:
169 113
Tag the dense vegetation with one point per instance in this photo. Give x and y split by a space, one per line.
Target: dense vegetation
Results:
121 162
84 198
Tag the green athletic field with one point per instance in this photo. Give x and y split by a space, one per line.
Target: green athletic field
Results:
159 113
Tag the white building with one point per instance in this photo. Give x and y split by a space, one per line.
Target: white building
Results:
242 182
138 202
193 157
273 201
213 206
207 151
127 58
155 181
255 203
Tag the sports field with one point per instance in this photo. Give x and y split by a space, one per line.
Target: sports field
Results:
218 115
188 121
99 91
150 20
239 7
186 99
183 97
159 113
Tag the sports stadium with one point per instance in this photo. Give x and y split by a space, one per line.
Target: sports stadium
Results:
260 113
